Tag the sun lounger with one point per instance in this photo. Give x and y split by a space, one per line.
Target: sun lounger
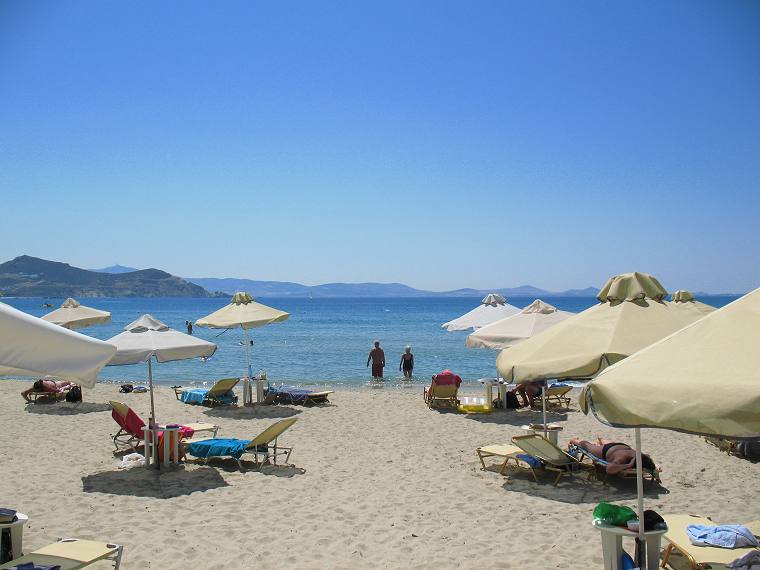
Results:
70 554
557 394
130 434
443 390
553 458
699 557
581 454
220 394
55 396
513 457
293 395
263 447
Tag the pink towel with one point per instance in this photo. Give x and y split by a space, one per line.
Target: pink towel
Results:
447 378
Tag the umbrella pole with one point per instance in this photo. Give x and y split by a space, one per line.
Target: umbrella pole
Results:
248 354
642 561
543 404
152 422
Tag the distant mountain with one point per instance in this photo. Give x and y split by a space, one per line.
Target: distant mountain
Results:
115 269
335 290
27 276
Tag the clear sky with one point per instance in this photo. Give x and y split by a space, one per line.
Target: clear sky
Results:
443 145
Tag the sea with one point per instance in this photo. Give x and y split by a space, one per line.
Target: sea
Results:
325 342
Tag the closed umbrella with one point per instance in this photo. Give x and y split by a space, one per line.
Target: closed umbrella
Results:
683 300
533 319
492 308
148 338
32 347
72 315
703 379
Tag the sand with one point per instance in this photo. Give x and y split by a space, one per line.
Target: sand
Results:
379 481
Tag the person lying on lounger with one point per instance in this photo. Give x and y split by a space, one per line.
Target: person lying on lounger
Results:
619 456
47 385
529 391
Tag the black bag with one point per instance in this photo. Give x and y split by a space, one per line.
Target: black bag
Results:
748 448
512 402
126 388
7 516
74 395
653 520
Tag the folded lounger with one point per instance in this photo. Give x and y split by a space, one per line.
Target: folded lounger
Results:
293 395
264 445
557 394
552 457
510 453
220 394
443 390
70 554
700 557
580 454
131 434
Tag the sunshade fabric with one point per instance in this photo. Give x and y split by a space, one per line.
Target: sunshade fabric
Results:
583 345
147 337
685 301
533 319
32 347
632 287
703 379
492 308
72 315
682 295
243 311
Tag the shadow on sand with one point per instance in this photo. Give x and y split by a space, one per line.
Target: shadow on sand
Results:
67 408
252 412
520 417
164 484
230 465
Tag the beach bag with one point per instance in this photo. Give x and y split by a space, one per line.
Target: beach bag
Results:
512 402
613 514
748 449
126 388
74 395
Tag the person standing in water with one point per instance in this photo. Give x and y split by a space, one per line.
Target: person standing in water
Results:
377 356
407 362
189 327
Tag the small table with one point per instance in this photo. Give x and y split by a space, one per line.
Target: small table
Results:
612 545
17 534
552 431
501 385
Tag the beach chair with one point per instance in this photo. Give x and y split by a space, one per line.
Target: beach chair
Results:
557 395
553 458
580 453
220 394
263 447
130 434
443 390
513 457
699 557
293 395
70 554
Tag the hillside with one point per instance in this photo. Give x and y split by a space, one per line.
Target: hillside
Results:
115 269
27 276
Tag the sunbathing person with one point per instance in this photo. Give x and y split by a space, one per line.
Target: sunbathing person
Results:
619 456
47 385
530 391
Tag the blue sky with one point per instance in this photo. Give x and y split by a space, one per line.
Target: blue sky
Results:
442 145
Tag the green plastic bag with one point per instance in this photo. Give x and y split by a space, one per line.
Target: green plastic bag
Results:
613 514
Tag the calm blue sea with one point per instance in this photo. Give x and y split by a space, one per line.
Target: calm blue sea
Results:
324 342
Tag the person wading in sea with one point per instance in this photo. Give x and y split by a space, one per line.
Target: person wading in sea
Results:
377 356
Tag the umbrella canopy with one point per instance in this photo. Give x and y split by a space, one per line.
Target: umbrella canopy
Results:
72 315
703 379
631 315
533 319
32 347
685 301
492 308
244 312
147 337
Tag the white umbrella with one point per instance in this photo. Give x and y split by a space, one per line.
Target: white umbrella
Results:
533 319
146 338
32 347
72 315
492 308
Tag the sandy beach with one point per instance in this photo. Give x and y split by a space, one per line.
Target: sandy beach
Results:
379 481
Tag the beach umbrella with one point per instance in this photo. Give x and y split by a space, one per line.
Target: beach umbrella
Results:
492 308
148 338
243 312
30 346
683 300
533 319
72 315
703 379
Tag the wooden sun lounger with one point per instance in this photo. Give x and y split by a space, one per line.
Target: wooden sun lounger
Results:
219 388
441 395
699 557
509 453
71 554
649 474
553 458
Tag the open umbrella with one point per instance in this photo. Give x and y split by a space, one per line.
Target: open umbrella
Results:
672 383
72 315
243 312
32 347
492 308
148 338
683 300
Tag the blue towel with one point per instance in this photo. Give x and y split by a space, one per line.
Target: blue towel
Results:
724 536
34 566
218 448
559 385
198 396
530 460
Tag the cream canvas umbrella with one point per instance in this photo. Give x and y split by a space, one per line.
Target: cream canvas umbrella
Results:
683 300
703 379
244 312
148 338
72 315
533 319
492 308
32 347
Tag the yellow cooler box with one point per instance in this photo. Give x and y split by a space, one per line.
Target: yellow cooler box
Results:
474 405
